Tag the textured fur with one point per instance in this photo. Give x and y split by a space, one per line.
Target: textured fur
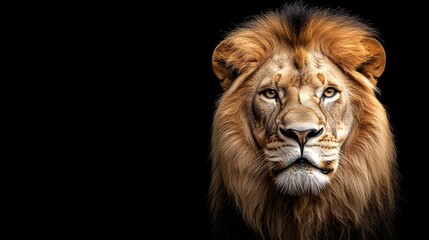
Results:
360 199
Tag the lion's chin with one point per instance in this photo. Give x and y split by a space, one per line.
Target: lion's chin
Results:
301 181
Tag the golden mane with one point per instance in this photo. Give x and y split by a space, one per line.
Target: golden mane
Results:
361 199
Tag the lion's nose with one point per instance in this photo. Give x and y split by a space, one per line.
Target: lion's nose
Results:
301 136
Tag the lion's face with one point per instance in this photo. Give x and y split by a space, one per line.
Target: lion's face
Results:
301 120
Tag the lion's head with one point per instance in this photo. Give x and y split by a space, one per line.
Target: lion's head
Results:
301 146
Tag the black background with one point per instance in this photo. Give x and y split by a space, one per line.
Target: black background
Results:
187 89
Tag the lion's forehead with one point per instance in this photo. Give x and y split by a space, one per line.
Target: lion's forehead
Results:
311 69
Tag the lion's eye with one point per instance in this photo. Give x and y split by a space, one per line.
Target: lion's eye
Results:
329 92
270 93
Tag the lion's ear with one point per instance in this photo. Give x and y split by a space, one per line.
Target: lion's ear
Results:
222 66
374 61
237 55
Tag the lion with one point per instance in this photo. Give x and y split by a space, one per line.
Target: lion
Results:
302 148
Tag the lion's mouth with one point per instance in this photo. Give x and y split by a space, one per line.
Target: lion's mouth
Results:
300 163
